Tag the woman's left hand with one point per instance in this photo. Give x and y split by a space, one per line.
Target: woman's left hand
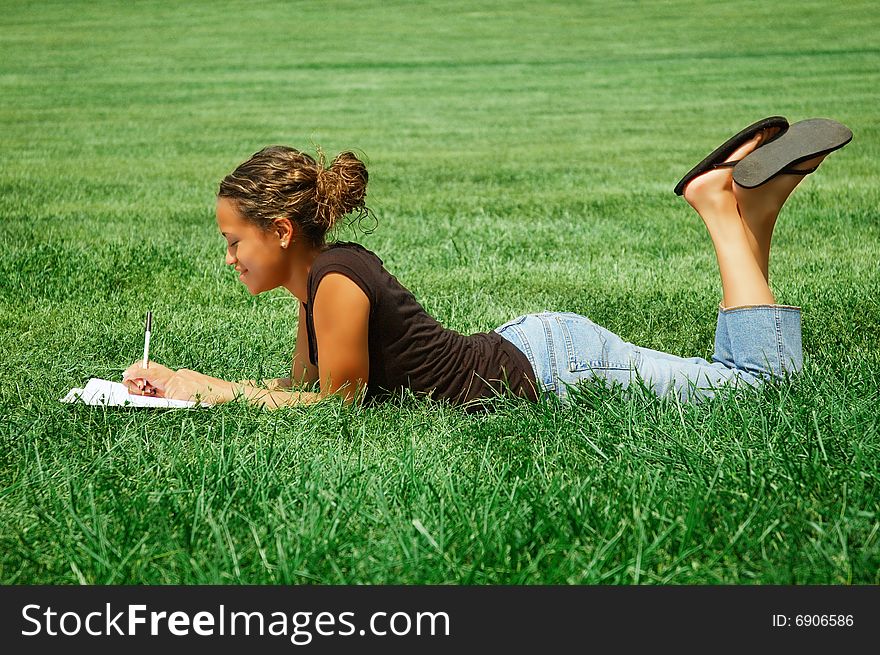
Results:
192 385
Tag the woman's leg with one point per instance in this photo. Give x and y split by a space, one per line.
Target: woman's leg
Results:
755 337
712 196
762 338
765 341
759 208
565 348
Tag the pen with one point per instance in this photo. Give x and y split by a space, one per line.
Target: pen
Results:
147 328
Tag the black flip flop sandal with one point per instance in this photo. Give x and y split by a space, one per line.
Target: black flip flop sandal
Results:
716 157
802 141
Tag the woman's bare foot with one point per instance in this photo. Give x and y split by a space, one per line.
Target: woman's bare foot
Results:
711 194
760 206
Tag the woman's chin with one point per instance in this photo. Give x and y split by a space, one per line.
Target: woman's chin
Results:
251 290
254 288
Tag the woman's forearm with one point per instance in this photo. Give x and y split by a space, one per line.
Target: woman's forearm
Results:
275 399
271 384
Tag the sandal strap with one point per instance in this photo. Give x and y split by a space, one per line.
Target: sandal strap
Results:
726 164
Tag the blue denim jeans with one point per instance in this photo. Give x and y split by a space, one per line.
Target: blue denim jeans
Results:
752 344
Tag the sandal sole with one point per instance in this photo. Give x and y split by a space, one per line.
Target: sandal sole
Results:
802 141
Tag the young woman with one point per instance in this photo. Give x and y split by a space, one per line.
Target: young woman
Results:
361 332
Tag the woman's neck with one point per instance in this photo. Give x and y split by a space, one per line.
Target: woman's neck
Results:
301 259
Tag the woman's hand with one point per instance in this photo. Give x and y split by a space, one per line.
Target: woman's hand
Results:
147 381
162 382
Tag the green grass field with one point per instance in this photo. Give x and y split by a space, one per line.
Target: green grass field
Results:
522 157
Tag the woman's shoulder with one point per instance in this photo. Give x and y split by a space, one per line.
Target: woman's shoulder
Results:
354 261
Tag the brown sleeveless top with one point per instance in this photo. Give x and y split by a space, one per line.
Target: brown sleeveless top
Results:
409 349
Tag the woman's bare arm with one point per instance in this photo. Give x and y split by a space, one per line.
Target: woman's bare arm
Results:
302 372
272 384
342 312
342 317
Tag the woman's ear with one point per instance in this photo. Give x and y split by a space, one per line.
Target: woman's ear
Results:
285 230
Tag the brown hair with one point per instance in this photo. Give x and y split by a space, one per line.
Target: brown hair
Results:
282 182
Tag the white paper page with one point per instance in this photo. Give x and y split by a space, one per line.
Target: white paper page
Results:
115 394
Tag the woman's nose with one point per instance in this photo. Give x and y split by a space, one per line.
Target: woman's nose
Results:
230 260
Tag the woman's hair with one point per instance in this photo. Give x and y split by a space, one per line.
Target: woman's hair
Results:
282 182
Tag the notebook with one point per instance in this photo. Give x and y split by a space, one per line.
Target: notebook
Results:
115 394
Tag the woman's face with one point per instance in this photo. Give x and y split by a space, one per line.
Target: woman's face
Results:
256 254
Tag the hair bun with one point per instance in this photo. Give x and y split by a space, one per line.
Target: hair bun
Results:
283 182
341 188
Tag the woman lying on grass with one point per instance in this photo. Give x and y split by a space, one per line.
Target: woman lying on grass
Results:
362 333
